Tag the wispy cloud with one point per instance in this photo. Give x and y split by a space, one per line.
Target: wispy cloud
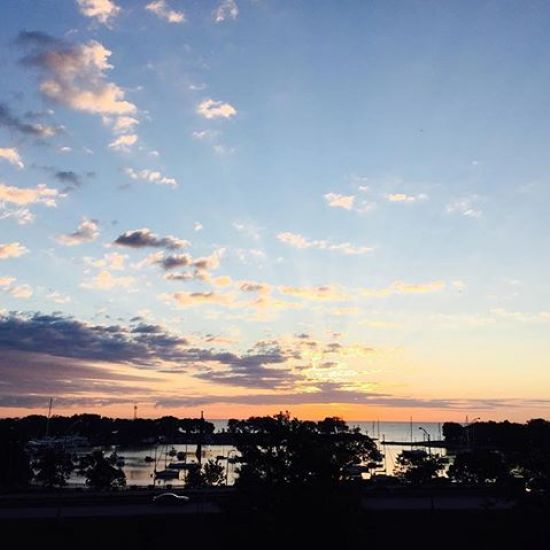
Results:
227 9
124 142
211 109
105 280
403 197
16 124
141 238
102 10
87 231
153 176
12 156
299 241
466 206
161 9
335 200
41 194
12 250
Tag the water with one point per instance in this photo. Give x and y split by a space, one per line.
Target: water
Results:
140 473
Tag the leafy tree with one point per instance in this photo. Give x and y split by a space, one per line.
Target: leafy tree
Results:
213 473
417 467
210 474
102 475
15 468
479 466
280 450
53 467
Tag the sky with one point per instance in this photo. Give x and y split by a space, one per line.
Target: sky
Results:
248 206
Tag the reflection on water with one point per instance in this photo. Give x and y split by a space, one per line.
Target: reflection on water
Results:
139 471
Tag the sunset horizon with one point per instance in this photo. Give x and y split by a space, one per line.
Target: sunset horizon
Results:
245 207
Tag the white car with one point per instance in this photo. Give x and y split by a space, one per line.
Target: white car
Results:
170 499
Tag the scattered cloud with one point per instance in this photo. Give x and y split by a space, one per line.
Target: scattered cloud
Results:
299 241
141 238
191 299
105 280
102 10
403 197
21 291
210 109
401 287
12 250
87 231
12 156
248 228
58 297
465 206
112 261
123 124
227 9
41 194
6 281
16 124
153 176
320 293
336 200
160 9
124 142
197 226
205 135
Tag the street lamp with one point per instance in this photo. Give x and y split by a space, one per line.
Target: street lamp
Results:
426 433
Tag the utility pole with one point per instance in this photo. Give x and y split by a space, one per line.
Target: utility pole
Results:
135 411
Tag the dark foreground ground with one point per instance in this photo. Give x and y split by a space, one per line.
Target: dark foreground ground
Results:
232 522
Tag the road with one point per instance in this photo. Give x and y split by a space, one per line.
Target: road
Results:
106 510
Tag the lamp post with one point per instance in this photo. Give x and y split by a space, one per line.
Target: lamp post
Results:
427 437
227 465
473 440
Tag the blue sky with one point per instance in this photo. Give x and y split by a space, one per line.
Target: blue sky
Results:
335 207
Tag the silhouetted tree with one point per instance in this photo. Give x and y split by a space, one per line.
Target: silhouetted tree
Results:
53 467
279 450
479 466
15 467
210 474
102 475
417 467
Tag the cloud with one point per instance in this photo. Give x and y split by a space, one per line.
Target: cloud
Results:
299 241
465 206
336 200
87 231
12 156
12 250
192 299
253 286
112 261
6 281
321 293
74 74
21 291
124 142
41 194
175 261
58 297
403 197
123 124
141 238
401 287
205 135
152 176
209 108
197 226
105 280
227 9
161 10
102 10
12 122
